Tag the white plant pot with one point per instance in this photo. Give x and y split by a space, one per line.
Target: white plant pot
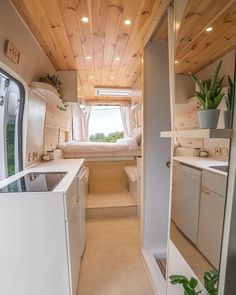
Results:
227 119
208 119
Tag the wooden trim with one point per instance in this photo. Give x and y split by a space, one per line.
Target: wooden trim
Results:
160 11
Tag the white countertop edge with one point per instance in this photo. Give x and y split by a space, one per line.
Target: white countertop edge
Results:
202 163
70 166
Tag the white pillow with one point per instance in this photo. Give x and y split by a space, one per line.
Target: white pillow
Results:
136 134
129 142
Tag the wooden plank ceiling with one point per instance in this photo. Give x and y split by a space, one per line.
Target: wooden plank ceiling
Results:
105 51
196 48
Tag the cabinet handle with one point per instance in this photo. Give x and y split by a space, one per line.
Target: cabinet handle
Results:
205 191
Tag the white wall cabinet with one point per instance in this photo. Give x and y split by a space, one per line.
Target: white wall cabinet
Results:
211 216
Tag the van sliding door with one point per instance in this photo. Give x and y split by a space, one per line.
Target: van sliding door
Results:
11 112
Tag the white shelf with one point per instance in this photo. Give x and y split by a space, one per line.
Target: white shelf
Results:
199 133
45 90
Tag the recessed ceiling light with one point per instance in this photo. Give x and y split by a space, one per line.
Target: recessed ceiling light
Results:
90 77
85 19
209 29
127 22
117 58
88 57
176 62
112 78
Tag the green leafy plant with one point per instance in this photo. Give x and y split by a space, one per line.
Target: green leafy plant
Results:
188 285
210 91
229 95
56 82
211 279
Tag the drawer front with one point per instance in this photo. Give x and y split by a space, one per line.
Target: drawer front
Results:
71 196
214 182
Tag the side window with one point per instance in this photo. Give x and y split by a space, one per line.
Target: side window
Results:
11 114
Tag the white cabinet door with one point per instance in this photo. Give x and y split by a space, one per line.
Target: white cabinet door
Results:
211 225
186 199
73 240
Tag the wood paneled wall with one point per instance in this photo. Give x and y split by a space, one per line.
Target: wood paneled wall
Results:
55 119
108 176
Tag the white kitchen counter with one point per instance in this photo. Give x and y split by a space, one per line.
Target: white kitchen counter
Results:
70 166
202 163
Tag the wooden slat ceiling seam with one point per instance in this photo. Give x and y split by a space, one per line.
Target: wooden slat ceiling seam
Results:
67 40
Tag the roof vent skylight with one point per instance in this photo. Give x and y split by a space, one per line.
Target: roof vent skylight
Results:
113 92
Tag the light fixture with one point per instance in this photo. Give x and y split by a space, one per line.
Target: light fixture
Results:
117 58
88 57
113 92
127 22
90 77
112 78
85 19
209 29
176 62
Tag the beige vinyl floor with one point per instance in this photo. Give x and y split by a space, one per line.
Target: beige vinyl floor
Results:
112 263
98 200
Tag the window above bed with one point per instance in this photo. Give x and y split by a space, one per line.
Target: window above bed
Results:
105 124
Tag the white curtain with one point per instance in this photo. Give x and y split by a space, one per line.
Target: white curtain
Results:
80 119
126 119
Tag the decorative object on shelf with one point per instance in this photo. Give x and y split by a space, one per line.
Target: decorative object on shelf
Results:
203 154
56 83
211 279
209 95
229 98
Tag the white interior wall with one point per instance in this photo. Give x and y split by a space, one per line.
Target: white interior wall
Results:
33 61
156 151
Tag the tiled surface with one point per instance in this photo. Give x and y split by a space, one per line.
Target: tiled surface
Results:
101 200
112 262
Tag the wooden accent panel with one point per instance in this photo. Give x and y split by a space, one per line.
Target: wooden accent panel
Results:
68 41
55 120
197 48
108 176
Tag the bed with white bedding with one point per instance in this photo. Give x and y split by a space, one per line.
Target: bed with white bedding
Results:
124 147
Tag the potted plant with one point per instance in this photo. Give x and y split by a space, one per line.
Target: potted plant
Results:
209 96
229 104
190 287
56 83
